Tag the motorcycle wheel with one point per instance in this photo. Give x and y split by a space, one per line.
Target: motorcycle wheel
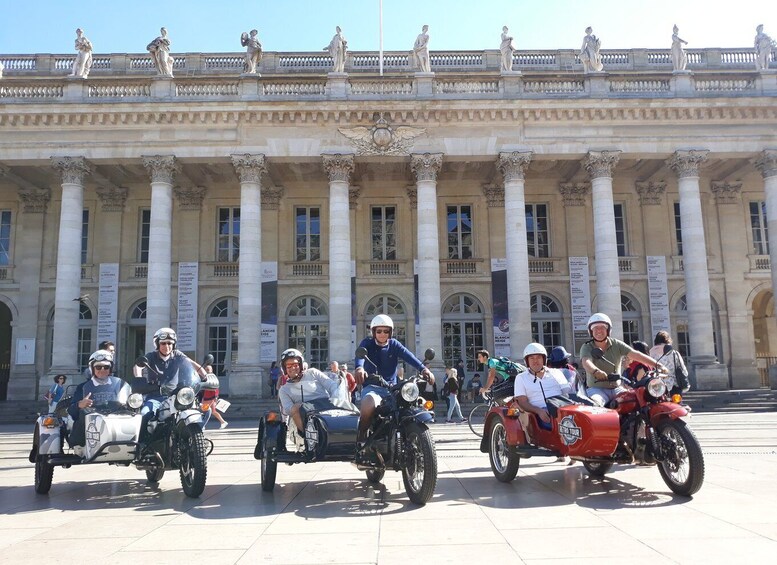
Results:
420 470
375 475
194 460
504 463
682 467
597 468
269 470
44 475
154 475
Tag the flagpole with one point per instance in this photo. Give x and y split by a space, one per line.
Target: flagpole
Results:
380 20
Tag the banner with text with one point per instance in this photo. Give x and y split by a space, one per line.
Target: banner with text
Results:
499 300
269 351
188 275
580 295
659 295
108 302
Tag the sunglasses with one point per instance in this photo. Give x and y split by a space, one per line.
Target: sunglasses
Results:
170 343
102 367
379 331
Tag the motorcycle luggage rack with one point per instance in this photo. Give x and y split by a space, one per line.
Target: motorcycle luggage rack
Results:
72 459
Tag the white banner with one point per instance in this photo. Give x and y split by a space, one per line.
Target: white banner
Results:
659 295
580 294
108 302
188 275
269 345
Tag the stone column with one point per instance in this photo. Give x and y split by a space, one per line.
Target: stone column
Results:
767 164
512 166
599 165
245 377
425 166
162 169
68 286
339 168
697 284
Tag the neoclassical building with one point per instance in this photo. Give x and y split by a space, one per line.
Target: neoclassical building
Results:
478 208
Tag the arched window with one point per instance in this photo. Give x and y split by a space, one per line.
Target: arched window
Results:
462 330
387 304
136 337
632 320
546 321
308 330
682 338
222 334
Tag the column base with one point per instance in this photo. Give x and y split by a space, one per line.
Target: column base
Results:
244 380
745 375
22 385
713 376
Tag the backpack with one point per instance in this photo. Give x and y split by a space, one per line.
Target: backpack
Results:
509 367
446 389
680 374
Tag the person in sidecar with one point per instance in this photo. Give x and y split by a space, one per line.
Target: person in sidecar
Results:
385 352
535 385
600 389
100 389
306 390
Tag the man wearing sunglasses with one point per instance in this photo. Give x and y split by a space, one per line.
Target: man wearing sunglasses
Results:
384 353
99 390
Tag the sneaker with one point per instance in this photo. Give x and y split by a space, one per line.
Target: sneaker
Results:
223 425
462 420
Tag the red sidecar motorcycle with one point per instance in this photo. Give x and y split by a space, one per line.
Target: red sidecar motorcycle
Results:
644 425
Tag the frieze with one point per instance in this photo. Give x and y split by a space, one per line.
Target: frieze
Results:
651 192
574 193
382 138
686 163
495 195
425 166
112 198
726 192
161 168
338 167
34 200
72 169
513 165
249 168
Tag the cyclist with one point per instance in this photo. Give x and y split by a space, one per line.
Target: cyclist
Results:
497 367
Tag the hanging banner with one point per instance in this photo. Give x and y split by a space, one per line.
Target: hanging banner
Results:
499 300
108 302
269 345
580 294
658 292
186 325
353 313
415 307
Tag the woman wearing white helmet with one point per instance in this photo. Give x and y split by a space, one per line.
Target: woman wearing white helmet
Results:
599 388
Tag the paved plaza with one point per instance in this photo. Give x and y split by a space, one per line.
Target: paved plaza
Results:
328 513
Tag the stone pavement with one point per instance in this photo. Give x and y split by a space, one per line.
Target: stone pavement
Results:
328 513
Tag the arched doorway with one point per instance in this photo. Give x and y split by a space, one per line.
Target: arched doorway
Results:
547 321
462 330
632 320
386 304
683 341
6 317
222 335
764 334
136 337
308 330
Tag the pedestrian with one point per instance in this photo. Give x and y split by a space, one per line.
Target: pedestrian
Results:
453 406
275 373
460 372
672 360
209 400
55 393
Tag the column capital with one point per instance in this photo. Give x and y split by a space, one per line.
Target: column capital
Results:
249 168
686 163
651 192
271 197
162 168
190 197
495 195
600 164
353 196
425 166
574 193
412 195
767 163
72 169
726 192
338 166
513 164
35 200
112 198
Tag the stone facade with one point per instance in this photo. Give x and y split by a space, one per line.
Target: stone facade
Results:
614 166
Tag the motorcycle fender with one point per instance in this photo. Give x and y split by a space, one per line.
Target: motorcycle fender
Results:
421 416
513 428
190 416
272 432
669 410
49 439
258 450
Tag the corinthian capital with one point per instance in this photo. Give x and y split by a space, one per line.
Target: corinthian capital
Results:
767 163
495 195
601 163
726 192
190 197
162 168
513 165
35 200
338 166
686 162
249 168
271 197
574 193
425 166
112 197
72 169
650 192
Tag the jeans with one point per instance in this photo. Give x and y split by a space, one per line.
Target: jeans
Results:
454 408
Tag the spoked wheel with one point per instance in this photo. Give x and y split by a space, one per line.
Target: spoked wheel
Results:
194 460
375 475
682 467
44 474
269 470
420 470
153 476
597 468
476 419
504 463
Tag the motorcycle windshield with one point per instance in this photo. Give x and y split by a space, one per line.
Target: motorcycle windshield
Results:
180 373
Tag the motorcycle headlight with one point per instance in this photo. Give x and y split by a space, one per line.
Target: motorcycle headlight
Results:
135 401
409 392
656 388
185 396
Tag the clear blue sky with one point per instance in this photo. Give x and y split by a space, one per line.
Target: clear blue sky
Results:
126 26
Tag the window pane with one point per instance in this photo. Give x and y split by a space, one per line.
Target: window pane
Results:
5 237
677 229
84 236
145 234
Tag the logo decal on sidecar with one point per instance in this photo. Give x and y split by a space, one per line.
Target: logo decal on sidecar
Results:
92 435
569 431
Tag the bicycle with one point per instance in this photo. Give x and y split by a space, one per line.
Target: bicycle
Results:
478 414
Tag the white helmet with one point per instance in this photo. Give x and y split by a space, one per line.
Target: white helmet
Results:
600 318
101 355
382 321
292 353
535 349
166 334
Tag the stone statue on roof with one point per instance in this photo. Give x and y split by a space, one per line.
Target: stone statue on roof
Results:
337 48
589 52
421 51
253 51
507 49
83 61
160 54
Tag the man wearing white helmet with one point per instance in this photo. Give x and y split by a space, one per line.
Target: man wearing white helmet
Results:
599 388
384 353
536 384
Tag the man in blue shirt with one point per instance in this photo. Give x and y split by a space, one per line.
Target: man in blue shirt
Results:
384 353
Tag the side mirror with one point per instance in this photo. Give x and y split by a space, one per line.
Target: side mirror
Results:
597 353
429 354
361 353
141 361
668 348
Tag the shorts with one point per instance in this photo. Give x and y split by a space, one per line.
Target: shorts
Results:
377 393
